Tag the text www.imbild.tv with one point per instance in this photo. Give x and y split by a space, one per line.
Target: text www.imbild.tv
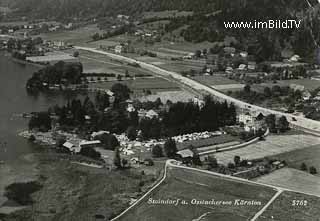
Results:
268 24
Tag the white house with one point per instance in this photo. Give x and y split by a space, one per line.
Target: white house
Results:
72 147
251 122
91 143
152 114
118 49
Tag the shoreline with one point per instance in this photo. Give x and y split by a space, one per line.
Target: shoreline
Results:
26 62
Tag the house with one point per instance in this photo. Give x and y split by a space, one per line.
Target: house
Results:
130 108
142 113
99 133
186 155
199 102
152 114
92 143
295 58
251 122
244 54
72 147
306 95
297 87
242 67
118 49
252 65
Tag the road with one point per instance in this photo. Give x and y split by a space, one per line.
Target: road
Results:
302 123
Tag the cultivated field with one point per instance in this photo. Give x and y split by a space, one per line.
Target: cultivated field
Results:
97 63
309 156
309 84
77 36
273 145
187 185
293 179
215 80
153 84
282 209
229 87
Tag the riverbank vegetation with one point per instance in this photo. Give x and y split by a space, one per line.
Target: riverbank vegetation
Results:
61 73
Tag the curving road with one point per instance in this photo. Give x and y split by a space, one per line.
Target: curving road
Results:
302 123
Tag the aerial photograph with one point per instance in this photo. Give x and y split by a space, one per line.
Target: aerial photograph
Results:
159 110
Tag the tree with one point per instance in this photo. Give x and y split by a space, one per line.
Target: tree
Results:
76 54
236 160
267 92
170 148
283 124
212 162
303 167
121 91
271 122
41 121
131 133
109 141
313 170
117 158
247 89
157 151
231 165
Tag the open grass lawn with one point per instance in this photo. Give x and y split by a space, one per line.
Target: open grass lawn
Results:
282 209
187 185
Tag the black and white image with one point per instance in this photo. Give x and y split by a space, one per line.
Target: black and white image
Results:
159 110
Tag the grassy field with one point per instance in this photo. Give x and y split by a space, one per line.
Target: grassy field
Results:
77 36
78 193
187 185
307 83
97 63
293 179
273 145
153 84
215 80
309 156
282 209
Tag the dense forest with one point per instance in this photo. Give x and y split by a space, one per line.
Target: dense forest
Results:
75 8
